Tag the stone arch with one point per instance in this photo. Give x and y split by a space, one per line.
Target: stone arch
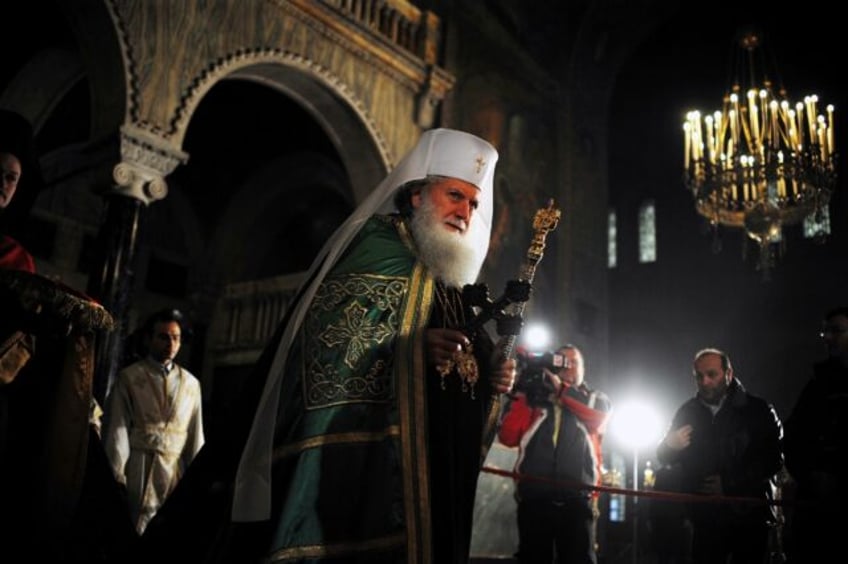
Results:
335 108
281 200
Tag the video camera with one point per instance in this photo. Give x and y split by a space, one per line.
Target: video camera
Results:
531 376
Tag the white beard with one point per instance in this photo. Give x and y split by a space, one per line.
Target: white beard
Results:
454 258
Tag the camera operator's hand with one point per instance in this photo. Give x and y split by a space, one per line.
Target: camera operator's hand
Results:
679 439
554 381
443 343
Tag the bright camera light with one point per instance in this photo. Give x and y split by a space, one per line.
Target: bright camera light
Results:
537 337
636 423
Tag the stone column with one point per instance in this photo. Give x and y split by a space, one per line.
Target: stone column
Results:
146 159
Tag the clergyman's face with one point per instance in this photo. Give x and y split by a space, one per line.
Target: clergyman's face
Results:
450 241
455 202
10 174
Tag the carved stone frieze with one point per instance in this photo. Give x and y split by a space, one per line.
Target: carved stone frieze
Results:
380 55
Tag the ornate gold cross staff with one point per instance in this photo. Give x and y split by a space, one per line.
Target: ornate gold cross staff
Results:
509 309
545 221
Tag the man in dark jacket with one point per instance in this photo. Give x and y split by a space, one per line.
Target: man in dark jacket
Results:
726 442
817 451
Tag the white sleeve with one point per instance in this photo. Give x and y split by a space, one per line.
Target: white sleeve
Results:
118 418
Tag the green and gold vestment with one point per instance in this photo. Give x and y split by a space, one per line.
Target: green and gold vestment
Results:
374 459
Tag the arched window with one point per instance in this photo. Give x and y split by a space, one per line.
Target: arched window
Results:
647 232
612 240
820 227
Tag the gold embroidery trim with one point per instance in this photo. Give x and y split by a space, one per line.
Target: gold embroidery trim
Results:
335 550
334 439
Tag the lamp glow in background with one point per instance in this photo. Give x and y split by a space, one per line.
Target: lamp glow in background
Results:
536 337
636 423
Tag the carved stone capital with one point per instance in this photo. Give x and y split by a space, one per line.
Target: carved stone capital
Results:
146 159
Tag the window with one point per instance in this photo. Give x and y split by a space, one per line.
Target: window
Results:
612 242
647 233
817 226
617 502
616 508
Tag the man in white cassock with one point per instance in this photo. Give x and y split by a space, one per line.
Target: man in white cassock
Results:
154 420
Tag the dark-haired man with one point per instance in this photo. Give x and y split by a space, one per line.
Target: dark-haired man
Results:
153 420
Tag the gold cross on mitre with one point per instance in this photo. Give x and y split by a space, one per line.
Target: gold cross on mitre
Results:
480 163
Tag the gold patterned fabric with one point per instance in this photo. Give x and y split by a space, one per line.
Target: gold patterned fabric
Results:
347 357
47 343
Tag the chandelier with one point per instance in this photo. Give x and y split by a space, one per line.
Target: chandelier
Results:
761 162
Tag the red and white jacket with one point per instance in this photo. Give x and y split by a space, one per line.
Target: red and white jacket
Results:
559 443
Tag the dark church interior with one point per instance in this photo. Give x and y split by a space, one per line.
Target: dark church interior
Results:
197 155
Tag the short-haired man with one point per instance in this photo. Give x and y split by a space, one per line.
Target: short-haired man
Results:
725 442
558 432
153 420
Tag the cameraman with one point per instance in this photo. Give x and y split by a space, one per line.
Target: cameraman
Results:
557 422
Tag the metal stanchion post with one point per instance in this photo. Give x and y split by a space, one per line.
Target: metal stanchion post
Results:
635 548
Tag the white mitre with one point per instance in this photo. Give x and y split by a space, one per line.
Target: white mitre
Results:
439 152
448 152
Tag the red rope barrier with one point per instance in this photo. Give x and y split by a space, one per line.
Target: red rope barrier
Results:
656 494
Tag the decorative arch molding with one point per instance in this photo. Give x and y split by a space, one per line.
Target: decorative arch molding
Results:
130 74
261 58
380 74
325 96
